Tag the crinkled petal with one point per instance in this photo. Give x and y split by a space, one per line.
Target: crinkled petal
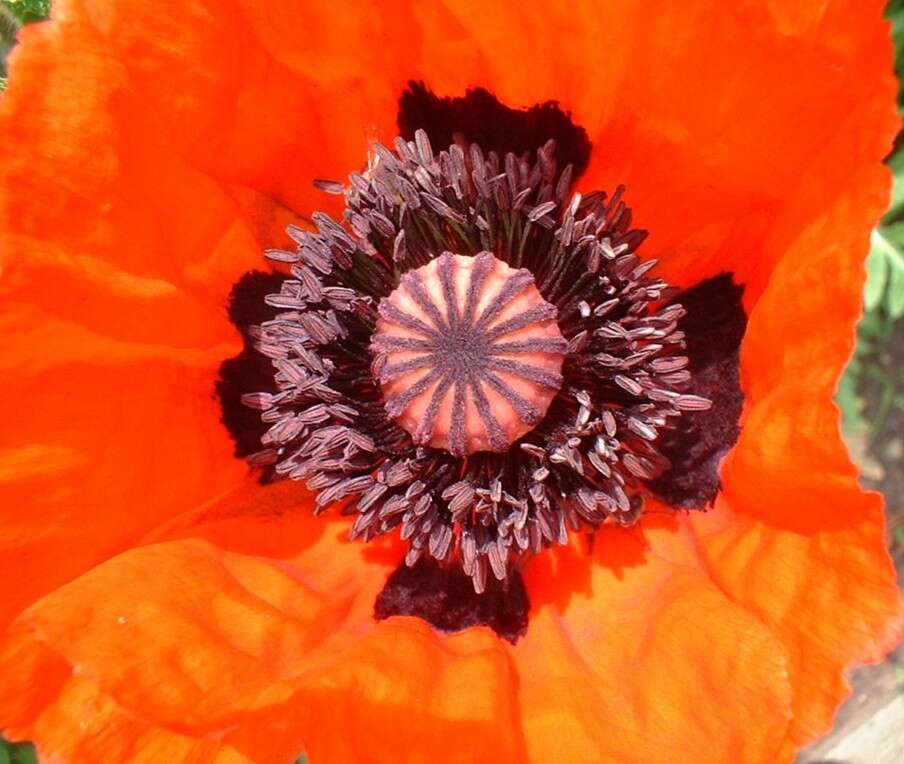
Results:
732 124
741 162
100 441
262 653
733 140
149 156
116 257
54 701
102 221
270 96
796 540
634 655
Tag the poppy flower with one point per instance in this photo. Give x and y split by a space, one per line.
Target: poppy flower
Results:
251 512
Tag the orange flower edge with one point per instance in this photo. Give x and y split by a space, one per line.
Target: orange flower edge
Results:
223 674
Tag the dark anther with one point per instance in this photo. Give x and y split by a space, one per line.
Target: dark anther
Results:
249 370
479 117
444 597
714 326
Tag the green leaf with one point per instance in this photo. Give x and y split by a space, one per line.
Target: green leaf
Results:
899 540
894 301
894 12
876 270
870 329
864 344
889 241
23 753
17 753
850 403
28 10
896 165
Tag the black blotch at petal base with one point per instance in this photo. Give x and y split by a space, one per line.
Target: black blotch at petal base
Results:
714 327
250 371
445 598
478 116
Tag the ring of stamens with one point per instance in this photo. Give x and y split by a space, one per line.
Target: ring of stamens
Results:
622 381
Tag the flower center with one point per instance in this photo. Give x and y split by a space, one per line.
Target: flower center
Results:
467 353
476 359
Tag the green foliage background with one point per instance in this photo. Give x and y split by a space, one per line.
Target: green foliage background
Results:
883 295
14 13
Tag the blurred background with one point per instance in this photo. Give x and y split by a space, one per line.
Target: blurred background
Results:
870 726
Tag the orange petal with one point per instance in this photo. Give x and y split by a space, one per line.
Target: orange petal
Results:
145 147
100 441
117 258
728 147
264 657
752 163
269 97
53 701
796 540
645 656
102 221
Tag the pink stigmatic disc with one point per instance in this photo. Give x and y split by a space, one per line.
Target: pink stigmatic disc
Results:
467 353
